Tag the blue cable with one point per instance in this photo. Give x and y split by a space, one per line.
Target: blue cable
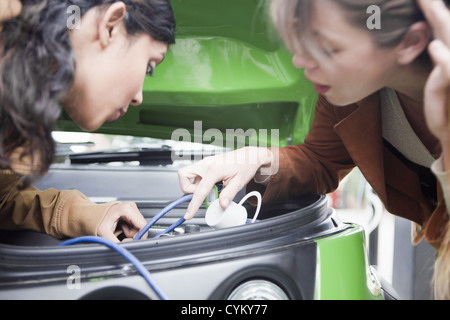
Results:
188 197
162 213
127 255
173 226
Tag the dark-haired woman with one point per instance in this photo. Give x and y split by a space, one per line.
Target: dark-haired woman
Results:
95 72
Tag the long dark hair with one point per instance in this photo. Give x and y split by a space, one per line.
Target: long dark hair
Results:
37 67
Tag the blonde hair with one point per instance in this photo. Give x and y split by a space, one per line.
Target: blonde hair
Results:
442 267
292 18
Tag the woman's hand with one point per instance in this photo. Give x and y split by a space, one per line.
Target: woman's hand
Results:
124 216
235 169
9 9
437 89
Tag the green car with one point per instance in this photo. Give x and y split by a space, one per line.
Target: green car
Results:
227 82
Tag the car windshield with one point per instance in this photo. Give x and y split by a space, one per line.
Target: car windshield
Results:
120 150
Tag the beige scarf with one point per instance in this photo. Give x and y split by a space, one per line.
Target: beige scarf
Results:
398 132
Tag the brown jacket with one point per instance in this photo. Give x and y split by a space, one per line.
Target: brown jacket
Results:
343 137
61 214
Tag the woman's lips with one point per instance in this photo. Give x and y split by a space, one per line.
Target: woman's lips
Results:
119 113
321 89
122 112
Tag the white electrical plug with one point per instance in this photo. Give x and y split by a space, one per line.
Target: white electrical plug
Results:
234 215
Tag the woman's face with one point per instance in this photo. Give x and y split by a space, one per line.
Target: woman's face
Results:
350 65
109 72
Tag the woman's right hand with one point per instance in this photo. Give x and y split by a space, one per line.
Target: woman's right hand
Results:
437 89
235 169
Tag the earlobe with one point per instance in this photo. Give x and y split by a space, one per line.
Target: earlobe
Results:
110 22
414 42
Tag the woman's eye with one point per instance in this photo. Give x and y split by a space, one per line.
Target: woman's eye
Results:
328 49
330 52
150 69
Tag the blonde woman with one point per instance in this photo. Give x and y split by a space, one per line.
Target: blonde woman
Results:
383 107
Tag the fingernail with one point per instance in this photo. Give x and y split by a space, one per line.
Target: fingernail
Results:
225 203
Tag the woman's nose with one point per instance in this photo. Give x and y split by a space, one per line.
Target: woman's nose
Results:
303 61
137 99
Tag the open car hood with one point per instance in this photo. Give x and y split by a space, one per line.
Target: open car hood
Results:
227 71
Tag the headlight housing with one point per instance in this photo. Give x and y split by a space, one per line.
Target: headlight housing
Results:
258 290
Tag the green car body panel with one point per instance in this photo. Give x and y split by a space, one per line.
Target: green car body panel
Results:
229 71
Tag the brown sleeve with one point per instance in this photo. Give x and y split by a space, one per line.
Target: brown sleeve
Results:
316 166
61 214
